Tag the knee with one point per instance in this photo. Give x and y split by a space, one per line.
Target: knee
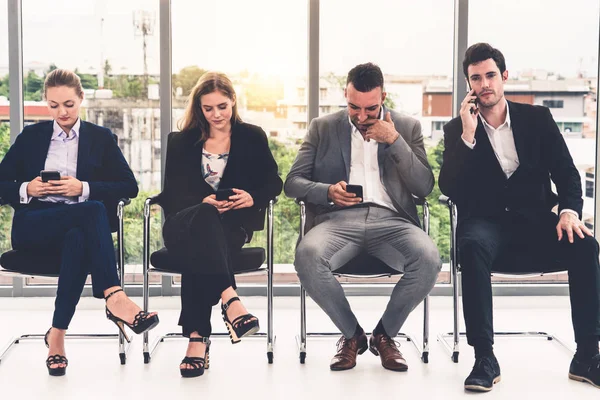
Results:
585 253
470 248
430 259
589 246
94 207
309 256
204 215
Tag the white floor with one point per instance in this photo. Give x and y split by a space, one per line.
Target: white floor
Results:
531 368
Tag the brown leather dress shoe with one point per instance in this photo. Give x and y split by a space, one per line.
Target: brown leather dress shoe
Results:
348 349
385 347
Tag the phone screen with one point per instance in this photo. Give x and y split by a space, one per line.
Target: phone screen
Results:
223 194
356 189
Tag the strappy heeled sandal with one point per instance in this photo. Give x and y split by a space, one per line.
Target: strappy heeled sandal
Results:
199 364
239 327
55 360
141 323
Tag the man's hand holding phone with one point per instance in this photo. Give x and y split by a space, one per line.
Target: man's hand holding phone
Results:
340 197
468 114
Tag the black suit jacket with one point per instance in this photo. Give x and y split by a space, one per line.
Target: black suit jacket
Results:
476 183
99 162
250 167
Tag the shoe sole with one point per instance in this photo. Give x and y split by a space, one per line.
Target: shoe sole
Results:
582 379
194 374
54 372
477 388
341 369
402 369
234 337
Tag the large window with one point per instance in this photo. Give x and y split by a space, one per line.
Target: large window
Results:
266 62
540 66
113 46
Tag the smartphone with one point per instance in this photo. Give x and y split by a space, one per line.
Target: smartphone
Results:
475 101
50 175
356 189
223 194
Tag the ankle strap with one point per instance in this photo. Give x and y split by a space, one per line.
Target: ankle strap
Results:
199 339
110 294
231 300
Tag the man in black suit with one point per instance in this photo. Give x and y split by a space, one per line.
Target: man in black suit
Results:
499 158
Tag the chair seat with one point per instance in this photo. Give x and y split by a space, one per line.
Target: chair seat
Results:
250 259
31 263
365 265
524 264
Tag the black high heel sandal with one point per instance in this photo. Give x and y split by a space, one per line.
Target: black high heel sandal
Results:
54 360
238 328
141 323
199 364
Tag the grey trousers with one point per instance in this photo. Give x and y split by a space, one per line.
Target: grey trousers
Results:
341 235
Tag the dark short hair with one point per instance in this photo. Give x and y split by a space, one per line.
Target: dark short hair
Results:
480 52
365 77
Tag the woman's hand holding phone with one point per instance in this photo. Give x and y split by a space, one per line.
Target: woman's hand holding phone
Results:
221 206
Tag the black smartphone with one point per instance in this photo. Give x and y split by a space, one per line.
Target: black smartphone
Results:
356 189
49 175
223 194
475 101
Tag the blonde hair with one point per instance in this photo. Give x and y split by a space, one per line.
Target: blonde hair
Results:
63 77
193 116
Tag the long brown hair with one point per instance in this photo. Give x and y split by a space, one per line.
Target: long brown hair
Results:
193 116
63 77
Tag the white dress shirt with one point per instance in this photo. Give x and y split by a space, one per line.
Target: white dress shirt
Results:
61 157
503 144
364 169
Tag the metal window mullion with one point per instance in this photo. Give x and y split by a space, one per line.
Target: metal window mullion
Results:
166 103
313 61
596 178
15 68
461 38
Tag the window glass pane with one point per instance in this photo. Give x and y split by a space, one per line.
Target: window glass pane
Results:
557 71
113 47
266 62
412 43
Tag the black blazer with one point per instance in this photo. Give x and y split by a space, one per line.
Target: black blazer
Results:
99 162
479 187
250 167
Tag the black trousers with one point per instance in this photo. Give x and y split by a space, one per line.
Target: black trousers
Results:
82 233
202 248
512 243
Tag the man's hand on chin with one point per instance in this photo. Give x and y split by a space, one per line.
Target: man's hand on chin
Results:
382 131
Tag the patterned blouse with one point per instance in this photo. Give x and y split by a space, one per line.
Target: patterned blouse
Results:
213 166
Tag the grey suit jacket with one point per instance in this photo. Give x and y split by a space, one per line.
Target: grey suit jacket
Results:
324 159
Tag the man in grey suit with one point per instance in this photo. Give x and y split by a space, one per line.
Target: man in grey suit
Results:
382 151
